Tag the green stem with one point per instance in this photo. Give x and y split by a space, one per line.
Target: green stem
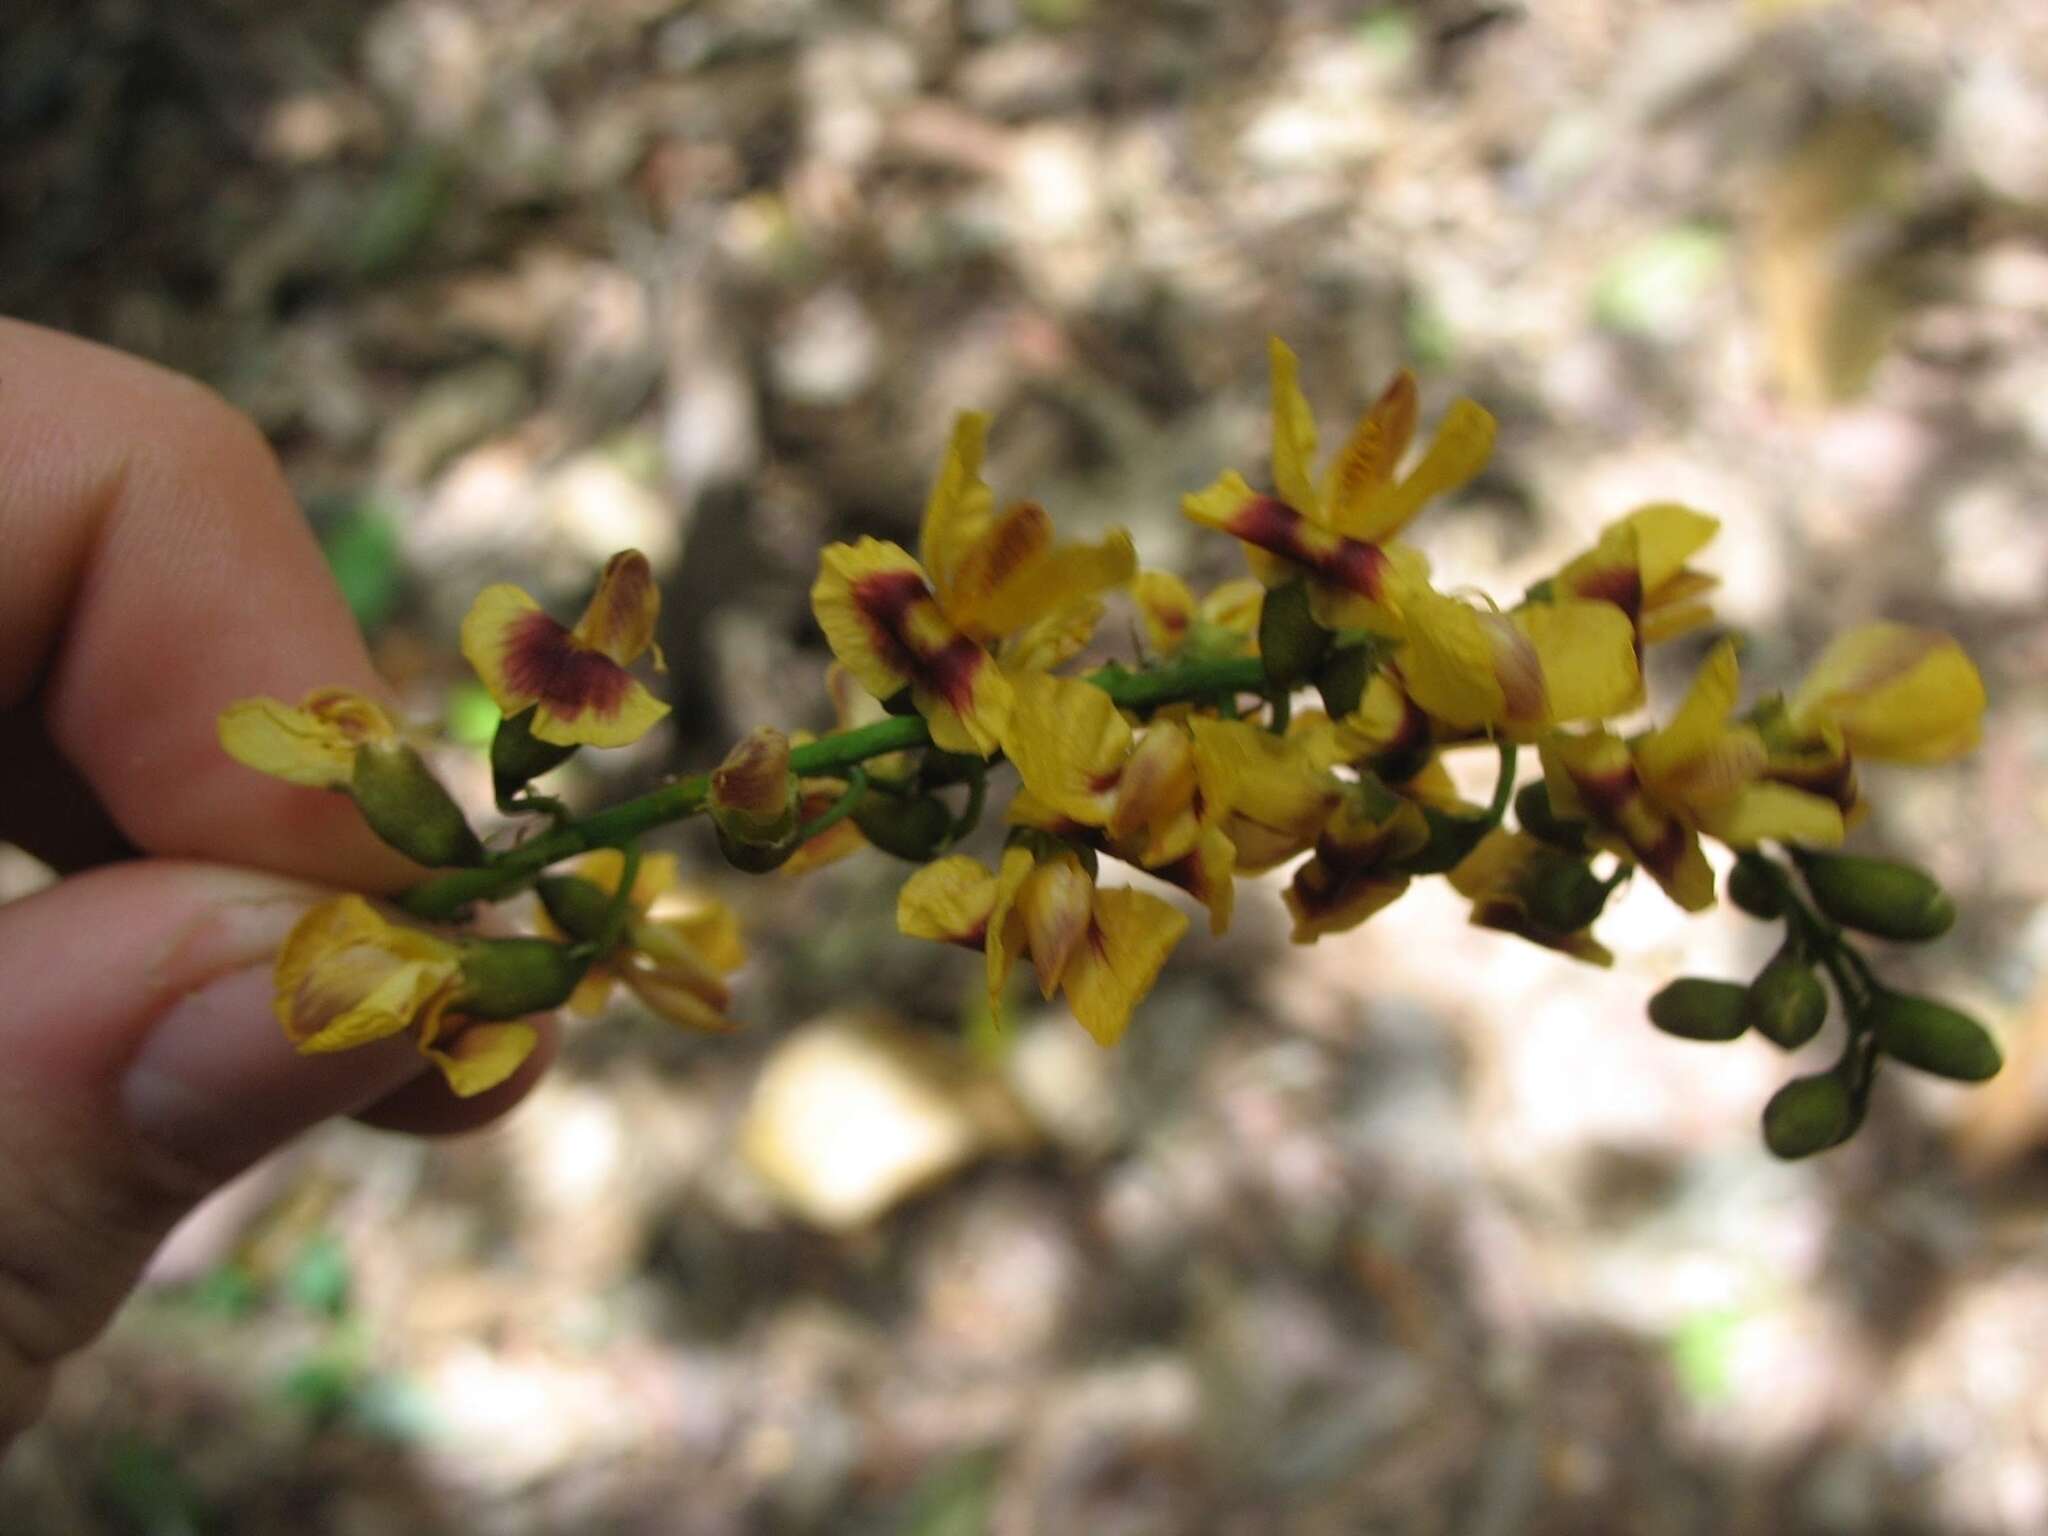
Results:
1504 785
446 896
622 901
1283 711
839 810
970 814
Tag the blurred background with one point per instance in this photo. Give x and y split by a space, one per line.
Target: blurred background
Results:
1420 1230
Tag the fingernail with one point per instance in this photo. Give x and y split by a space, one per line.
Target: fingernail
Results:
216 1085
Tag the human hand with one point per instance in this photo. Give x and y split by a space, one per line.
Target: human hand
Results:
152 568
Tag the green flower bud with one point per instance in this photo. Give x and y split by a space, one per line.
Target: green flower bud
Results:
1934 1037
1291 642
1694 1008
916 829
406 806
1786 1004
518 757
504 978
1809 1115
1893 901
753 802
1342 677
1535 815
1755 892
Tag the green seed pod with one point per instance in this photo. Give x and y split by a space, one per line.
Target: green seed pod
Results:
1755 892
1535 815
1893 901
406 806
1291 642
1694 1008
1934 1037
1342 677
518 757
1809 1115
1786 1004
916 830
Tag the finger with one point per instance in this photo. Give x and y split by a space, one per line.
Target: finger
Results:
143 1067
156 569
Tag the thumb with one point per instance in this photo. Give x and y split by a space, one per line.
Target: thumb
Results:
142 1068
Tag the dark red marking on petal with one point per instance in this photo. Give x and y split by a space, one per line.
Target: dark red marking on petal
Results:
1279 529
1606 795
1621 585
543 662
885 601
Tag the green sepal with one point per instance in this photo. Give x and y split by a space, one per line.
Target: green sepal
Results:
1565 895
504 978
1535 815
1291 642
580 908
1451 840
918 829
406 806
518 757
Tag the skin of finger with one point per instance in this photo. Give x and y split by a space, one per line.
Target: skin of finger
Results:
156 570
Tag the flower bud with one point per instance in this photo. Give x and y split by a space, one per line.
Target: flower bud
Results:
1694 1008
1755 892
1809 1115
1451 841
1934 1037
1291 642
754 800
518 757
504 978
1893 901
406 806
1786 1004
1535 815
915 829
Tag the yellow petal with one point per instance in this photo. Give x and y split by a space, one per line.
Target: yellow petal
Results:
1154 796
491 631
1068 744
580 696
1460 449
1055 903
346 976
612 717
1667 534
1265 779
1447 662
960 507
1778 812
1007 936
1294 433
1166 608
1006 551
620 620
1700 721
1587 654
1234 606
1051 579
863 642
481 1056
1054 638
1370 456
313 745
948 900
1132 934
1897 693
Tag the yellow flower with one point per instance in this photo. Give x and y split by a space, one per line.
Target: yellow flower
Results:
1223 623
1348 877
574 680
314 745
985 579
1524 671
1274 793
1336 532
1103 949
347 977
677 950
1087 776
1638 565
1519 885
1895 693
1703 772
